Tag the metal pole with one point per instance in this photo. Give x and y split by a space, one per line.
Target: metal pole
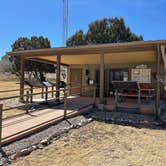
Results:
1 107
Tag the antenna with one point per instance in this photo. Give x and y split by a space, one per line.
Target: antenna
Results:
65 21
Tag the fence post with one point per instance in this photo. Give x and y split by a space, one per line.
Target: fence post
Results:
27 102
65 103
1 107
46 95
42 96
31 94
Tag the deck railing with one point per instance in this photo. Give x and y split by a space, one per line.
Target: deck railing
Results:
64 94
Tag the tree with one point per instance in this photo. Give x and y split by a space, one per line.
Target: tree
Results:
78 39
35 68
107 30
5 65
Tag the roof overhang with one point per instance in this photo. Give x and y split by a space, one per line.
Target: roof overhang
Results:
132 52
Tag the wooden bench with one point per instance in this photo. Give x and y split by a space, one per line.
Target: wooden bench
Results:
126 89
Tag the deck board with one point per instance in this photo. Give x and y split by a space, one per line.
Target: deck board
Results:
27 123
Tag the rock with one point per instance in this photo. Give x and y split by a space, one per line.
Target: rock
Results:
56 138
80 124
23 152
40 146
90 119
45 142
4 161
32 148
13 157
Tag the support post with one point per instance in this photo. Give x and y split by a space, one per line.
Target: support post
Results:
94 96
52 91
163 52
158 83
102 78
27 102
58 77
65 103
22 79
1 108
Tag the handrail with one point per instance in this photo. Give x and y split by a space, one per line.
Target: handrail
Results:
27 104
38 93
15 90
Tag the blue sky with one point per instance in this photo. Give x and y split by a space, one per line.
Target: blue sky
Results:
44 17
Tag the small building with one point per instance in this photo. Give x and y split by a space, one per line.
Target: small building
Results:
99 65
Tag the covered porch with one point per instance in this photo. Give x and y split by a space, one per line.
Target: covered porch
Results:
104 57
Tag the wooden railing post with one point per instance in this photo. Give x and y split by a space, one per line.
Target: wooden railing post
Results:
65 103
46 95
53 91
31 100
1 108
27 102
42 96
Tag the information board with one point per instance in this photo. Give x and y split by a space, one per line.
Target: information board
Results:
141 75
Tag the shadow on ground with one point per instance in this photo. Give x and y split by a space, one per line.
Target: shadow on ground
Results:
128 119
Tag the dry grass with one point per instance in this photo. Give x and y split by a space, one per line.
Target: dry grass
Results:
10 85
103 144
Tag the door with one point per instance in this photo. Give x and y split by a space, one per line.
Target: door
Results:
75 81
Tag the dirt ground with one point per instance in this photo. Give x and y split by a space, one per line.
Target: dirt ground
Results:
101 144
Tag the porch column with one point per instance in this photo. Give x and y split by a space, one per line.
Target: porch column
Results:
163 52
22 68
158 83
102 78
58 77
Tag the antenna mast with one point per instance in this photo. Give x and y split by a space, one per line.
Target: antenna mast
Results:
65 21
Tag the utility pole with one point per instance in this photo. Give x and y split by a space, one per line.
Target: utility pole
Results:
65 21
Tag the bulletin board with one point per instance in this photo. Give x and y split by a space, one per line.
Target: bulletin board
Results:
141 75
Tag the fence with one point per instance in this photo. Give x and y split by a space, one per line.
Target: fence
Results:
64 94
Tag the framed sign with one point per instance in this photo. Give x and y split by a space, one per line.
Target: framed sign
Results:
141 75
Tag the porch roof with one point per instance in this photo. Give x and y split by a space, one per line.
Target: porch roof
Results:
131 52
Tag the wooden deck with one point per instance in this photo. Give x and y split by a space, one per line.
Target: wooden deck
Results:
23 125
26 124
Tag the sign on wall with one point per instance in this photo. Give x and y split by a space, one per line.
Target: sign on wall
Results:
141 75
